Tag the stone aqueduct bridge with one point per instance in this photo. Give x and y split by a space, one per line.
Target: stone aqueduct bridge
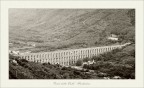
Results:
68 57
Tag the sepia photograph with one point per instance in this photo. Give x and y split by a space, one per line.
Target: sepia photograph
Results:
61 43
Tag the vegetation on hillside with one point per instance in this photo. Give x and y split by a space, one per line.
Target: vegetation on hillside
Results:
52 29
125 30
23 69
119 62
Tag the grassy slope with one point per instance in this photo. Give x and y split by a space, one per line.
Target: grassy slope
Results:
61 28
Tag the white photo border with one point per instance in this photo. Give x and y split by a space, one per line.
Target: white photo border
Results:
73 83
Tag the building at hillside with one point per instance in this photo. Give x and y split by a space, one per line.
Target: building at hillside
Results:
88 63
113 37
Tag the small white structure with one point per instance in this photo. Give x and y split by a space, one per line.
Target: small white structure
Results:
113 37
10 51
91 62
10 43
92 71
26 52
15 62
31 44
76 67
106 77
116 77
127 44
14 52
88 63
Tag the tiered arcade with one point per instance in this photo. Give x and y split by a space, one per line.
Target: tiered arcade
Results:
68 57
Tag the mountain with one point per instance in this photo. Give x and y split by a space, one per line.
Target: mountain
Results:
52 29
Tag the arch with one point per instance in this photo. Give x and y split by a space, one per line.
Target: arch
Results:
110 48
105 49
22 57
98 50
85 53
50 55
28 57
54 55
81 53
39 60
45 55
45 61
74 52
102 50
37 56
89 53
94 51
66 53
61 54
33 56
42 55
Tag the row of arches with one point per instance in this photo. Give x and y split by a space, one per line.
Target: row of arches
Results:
67 57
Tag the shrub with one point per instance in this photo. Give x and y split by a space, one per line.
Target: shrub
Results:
66 76
131 14
79 62
24 60
86 59
85 66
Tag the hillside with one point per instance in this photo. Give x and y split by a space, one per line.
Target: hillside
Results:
52 29
23 69
119 62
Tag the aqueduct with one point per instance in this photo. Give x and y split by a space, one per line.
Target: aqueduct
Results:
68 57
